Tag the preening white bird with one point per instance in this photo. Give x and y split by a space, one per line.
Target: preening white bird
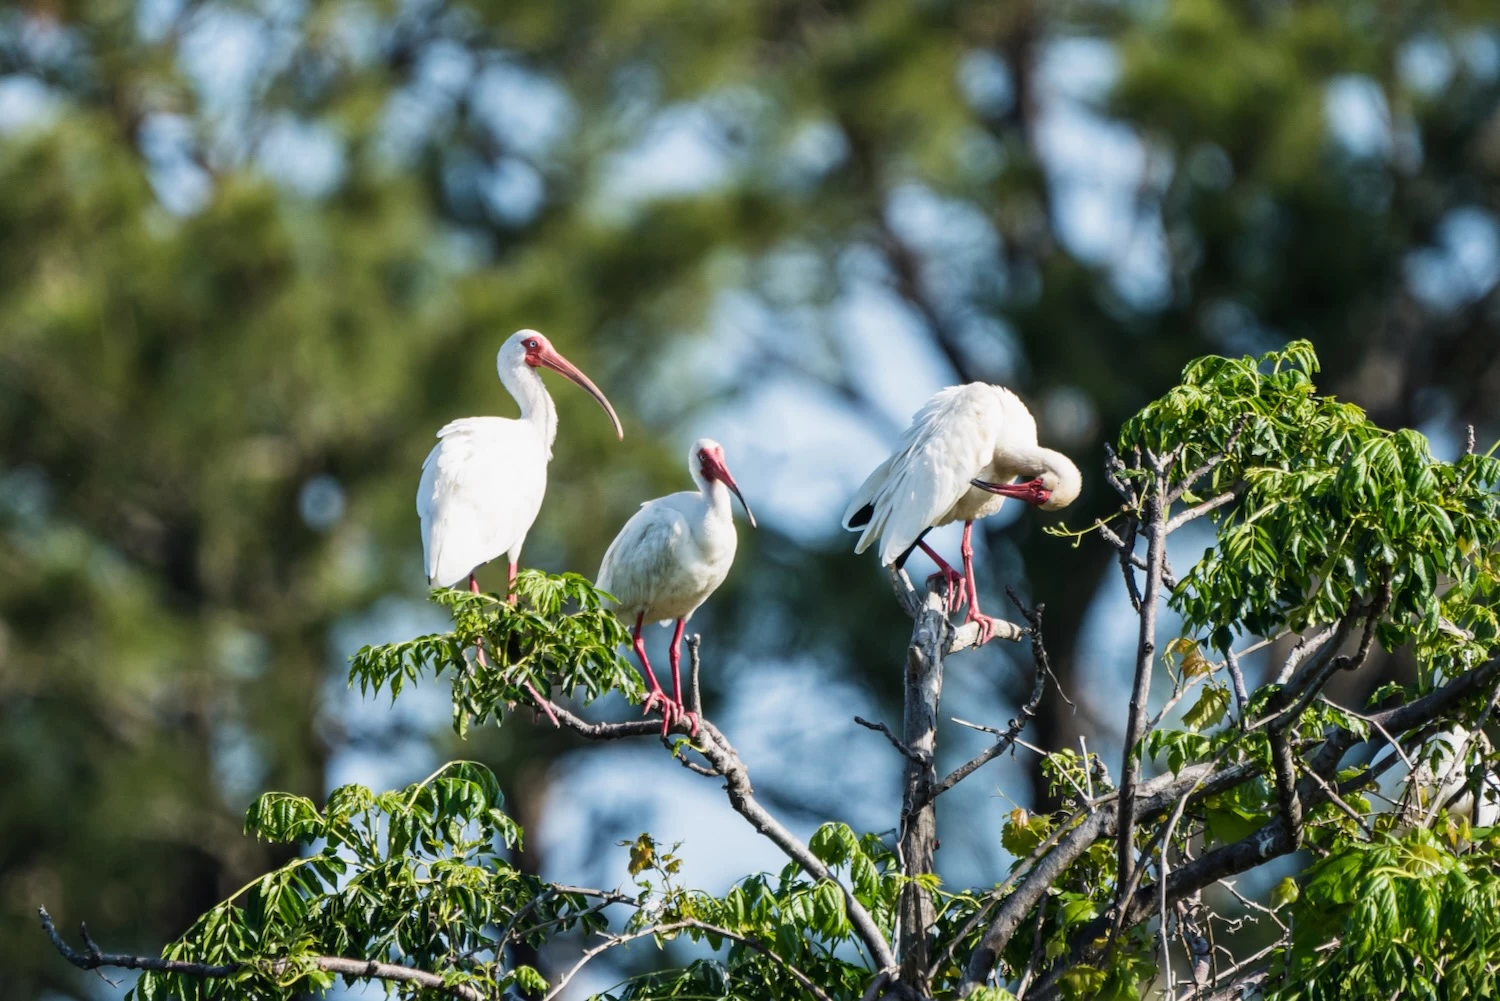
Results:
483 483
670 556
958 462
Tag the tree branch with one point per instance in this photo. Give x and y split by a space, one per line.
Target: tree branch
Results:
1199 510
668 928
726 762
1016 725
1286 786
363 969
1130 768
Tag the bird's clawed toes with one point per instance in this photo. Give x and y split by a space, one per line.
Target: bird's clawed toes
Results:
690 717
669 711
986 624
952 583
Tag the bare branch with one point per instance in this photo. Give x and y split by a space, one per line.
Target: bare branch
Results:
693 642
1337 800
670 927
364 969
1212 462
1165 868
1199 510
1130 768
725 762
959 637
919 757
1237 677
1286 786
1016 725
1036 952
1306 645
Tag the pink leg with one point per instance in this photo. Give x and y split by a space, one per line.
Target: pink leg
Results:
986 623
952 580
656 695
536 696
510 587
683 712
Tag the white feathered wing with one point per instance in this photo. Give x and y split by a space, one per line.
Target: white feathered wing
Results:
481 489
951 440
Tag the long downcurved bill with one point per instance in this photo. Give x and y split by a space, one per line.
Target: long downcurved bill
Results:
1032 491
719 471
557 363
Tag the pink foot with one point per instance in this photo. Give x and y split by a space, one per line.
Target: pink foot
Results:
987 624
668 708
952 583
684 713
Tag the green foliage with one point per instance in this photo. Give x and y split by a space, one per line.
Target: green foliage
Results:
557 637
1210 708
412 877
803 920
1410 916
1334 509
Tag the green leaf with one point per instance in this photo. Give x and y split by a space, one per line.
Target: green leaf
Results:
1209 709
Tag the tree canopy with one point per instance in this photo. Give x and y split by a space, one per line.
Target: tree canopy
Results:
255 253
1330 536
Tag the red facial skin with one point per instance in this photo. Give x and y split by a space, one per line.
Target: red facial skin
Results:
1032 491
541 353
711 464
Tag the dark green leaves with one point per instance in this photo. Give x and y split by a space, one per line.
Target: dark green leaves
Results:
1399 910
557 637
1332 510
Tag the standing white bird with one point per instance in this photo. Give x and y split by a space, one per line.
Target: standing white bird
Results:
955 463
483 483
670 556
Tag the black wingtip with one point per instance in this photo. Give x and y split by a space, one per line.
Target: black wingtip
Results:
861 518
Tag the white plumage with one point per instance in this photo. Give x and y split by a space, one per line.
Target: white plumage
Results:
1440 778
483 483
975 432
670 556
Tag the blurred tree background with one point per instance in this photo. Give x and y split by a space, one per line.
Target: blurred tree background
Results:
253 254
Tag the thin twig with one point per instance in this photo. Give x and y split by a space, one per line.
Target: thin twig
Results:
671 927
1016 725
921 757
1338 801
363 969
1187 482
1199 510
1237 678
1036 952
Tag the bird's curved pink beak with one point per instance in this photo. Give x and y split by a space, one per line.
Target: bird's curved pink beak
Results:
714 468
547 355
1032 491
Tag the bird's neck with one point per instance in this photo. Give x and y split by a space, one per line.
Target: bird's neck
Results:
1028 460
537 408
715 494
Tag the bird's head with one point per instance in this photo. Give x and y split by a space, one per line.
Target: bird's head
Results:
706 460
531 348
1055 483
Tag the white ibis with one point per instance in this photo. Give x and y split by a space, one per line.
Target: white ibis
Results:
956 462
670 556
1443 781
483 482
